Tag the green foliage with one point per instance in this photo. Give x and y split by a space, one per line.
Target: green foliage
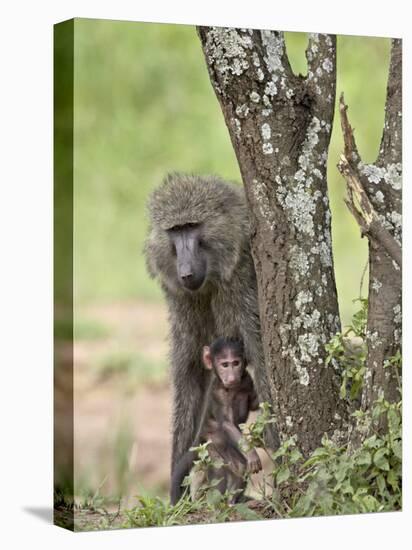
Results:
152 511
335 481
207 487
211 507
332 481
348 351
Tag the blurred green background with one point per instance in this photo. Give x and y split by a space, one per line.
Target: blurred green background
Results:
143 106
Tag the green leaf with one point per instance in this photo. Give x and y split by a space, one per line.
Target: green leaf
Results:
393 420
380 460
245 512
370 502
397 449
393 479
214 497
380 480
282 475
295 455
364 458
340 473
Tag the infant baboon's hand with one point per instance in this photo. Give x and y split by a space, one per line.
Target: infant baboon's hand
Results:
253 463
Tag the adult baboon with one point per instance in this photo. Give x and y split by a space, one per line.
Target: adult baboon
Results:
198 248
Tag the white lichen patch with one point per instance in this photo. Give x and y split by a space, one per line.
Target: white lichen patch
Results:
372 172
267 148
299 201
274 45
397 314
266 101
327 65
391 174
242 110
323 250
255 97
260 74
303 374
376 285
266 131
299 263
271 89
301 207
307 320
379 196
304 297
289 422
308 345
396 219
313 46
226 50
373 339
255 59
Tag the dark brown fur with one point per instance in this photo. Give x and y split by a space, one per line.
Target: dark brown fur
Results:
225 305
225 408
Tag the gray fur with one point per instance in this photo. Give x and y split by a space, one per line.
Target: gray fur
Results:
226 305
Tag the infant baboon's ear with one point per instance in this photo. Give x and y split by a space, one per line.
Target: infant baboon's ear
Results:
207 358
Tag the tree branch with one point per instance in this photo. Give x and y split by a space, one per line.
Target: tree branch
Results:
364 213
374 198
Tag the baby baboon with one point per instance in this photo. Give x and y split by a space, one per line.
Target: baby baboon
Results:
198 247
230 397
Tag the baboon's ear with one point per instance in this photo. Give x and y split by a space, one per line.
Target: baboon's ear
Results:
207 357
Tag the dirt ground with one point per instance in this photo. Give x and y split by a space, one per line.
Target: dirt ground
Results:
122 403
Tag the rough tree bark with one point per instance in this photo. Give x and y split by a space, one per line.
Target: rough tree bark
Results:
375 200
280 126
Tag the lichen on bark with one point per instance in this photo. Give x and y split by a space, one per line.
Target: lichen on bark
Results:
281 143
379 214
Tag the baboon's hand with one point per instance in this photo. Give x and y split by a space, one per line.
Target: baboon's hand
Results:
253 463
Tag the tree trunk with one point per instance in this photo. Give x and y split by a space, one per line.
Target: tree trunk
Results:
280 126
379 214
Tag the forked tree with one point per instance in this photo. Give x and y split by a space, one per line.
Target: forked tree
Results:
280 126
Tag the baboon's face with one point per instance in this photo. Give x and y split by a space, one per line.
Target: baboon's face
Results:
190 255
229 367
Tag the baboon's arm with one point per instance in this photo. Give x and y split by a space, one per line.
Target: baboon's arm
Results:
234 434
